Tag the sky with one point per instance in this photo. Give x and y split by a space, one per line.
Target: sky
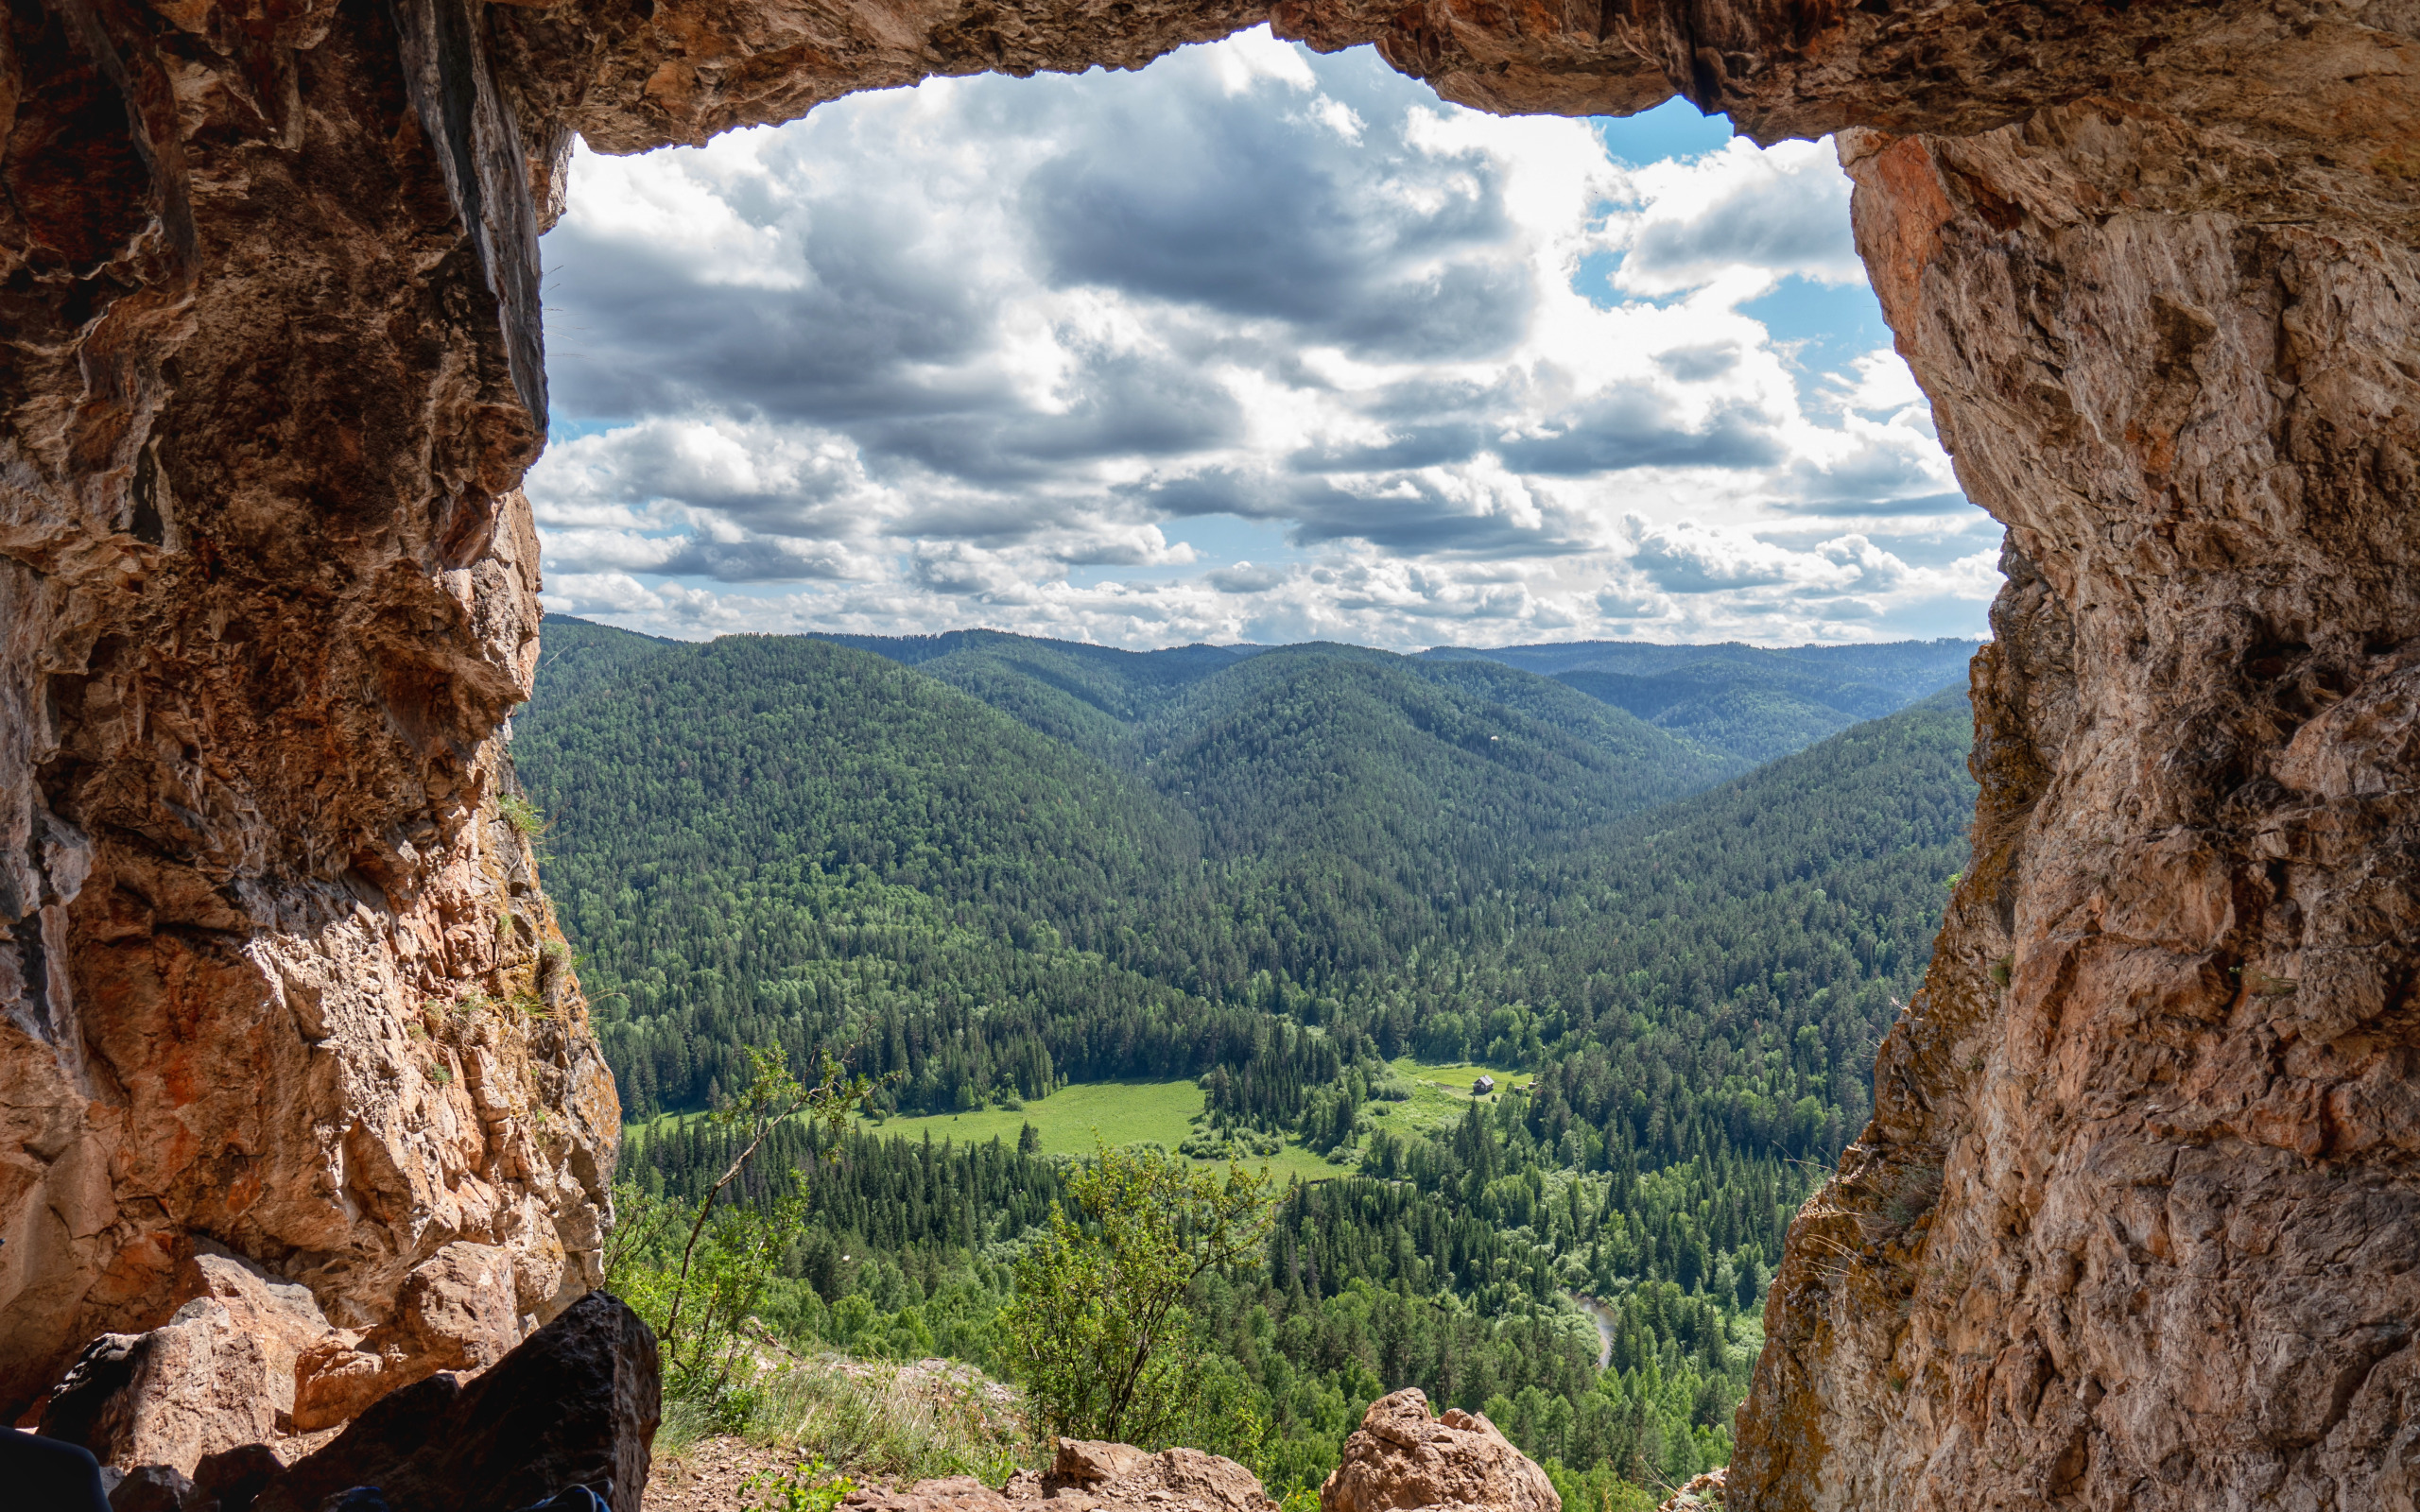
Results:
1249 345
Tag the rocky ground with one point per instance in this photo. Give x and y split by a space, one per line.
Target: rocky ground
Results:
711 1476
1401 1457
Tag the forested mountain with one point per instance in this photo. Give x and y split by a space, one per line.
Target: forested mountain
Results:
990 866
782 838
1744 701
575 655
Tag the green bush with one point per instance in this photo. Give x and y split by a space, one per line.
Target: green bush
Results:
522 814
1099 1329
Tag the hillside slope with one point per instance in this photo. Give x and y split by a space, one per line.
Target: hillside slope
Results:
1748 702
1694 990
1110 867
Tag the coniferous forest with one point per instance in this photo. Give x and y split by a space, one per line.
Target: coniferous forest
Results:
983 867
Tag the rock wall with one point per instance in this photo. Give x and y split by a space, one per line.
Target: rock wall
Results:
2135 1218
274 969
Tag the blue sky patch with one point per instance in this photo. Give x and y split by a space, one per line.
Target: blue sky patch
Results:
1672 129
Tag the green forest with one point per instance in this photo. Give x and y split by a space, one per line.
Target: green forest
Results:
981 867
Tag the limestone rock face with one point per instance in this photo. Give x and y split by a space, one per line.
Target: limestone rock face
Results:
1402 1458
276 975
2131 1224
2134 1219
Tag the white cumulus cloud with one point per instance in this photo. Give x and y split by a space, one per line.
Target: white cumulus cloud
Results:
1254 344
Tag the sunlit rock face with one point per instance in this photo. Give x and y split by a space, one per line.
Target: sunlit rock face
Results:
2134 1222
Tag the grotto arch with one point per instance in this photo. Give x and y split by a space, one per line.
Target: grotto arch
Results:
267 588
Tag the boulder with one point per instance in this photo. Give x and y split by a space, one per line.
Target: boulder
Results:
1088 1476
1187 1478
576 1403
249 1354
1090 1461
166 1398
334 1382
281 1314
1401 1457
234 1478
155 1489
456 1312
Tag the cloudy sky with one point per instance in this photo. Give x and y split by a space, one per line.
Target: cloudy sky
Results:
1252 345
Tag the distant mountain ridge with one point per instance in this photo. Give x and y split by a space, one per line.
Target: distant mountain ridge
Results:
1742 705
1018 862
1752 703
1304 810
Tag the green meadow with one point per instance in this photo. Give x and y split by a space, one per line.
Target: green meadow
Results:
1125 1112
1441 1094
1071 1120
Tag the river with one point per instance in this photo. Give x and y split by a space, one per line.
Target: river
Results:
1604 1320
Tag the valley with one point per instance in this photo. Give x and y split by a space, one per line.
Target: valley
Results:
1280 907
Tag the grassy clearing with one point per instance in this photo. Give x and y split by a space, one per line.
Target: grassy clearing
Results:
1122 1112
1441 1094
897 1422
1161 1112
1125 1112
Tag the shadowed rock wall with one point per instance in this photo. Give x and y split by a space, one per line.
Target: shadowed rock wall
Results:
2134 1220
267 593
2135 1223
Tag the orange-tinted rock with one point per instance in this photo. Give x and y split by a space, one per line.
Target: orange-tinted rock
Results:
198 1386
456 1312
1402 1458
1087 1461
281 1316
1173 1480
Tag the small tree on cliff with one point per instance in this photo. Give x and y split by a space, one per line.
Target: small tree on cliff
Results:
1098 1329
724 1266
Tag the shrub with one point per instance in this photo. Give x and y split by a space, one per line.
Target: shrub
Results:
1098 1329
522 814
